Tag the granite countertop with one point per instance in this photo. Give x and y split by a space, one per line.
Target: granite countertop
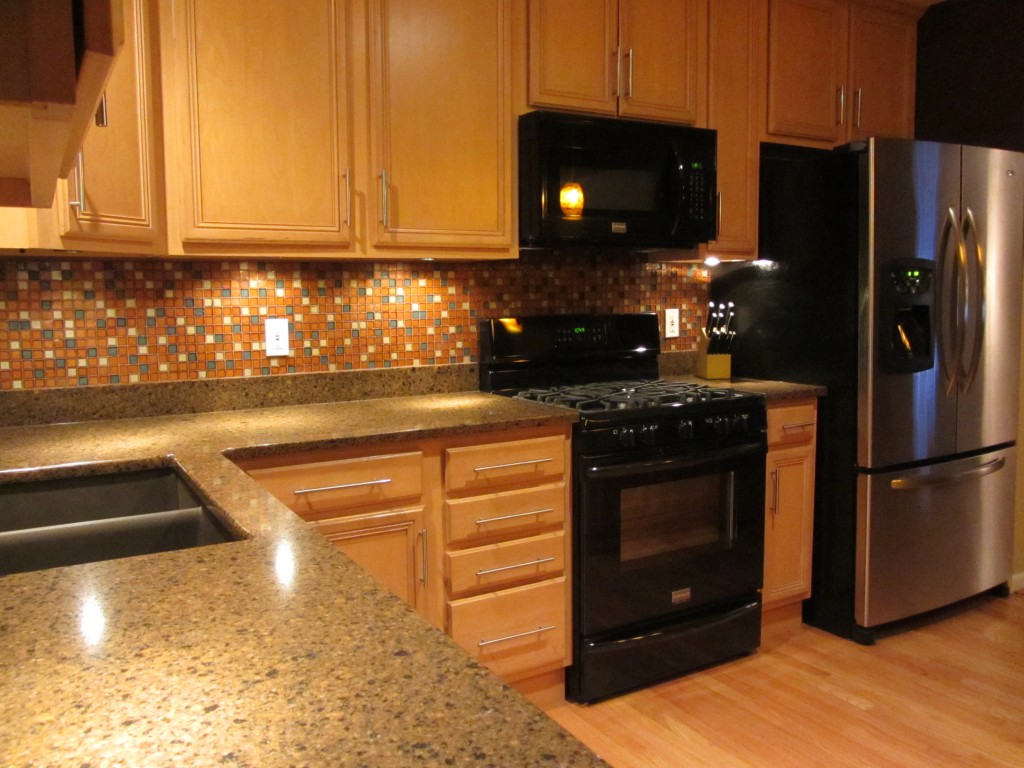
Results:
273 650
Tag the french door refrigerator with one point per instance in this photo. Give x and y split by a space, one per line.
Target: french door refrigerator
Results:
890 273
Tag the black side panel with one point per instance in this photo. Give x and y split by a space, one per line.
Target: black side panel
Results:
969 84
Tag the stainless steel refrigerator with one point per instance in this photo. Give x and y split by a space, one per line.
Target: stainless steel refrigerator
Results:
891 274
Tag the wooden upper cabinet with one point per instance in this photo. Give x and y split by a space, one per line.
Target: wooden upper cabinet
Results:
441 122
573 54
883 66
732 111
259 125
839 71
116 193
634 58
807 46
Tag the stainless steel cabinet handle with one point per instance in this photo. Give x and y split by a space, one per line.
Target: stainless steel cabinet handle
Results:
348 198
101 112
629 78
384 217
529 632
485 520
424 551
798 425
342 487
857 98
538 561
79 185
842 105
775 492
910 483
526 463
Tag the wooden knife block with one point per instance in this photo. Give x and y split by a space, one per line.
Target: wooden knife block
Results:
711 366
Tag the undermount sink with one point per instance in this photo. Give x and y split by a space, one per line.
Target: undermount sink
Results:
51 523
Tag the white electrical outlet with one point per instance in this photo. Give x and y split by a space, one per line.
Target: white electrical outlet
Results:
672 323
276 329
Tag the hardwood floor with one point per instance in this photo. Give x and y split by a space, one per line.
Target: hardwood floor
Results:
948 693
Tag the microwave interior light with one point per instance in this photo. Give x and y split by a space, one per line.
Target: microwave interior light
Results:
570 199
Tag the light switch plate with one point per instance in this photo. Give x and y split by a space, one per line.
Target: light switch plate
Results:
276 329
672 323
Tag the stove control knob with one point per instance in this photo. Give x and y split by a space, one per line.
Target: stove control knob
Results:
649 434
722 425
686 429
740 423
627 438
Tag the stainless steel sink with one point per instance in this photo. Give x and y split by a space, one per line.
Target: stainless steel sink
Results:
45 524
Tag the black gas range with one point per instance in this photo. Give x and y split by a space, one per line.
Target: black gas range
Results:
668 496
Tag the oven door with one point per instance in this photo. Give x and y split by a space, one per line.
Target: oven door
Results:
661 535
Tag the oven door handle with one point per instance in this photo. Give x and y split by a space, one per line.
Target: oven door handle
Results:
688 461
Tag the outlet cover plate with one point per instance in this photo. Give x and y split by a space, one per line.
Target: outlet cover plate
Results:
276 329
672 323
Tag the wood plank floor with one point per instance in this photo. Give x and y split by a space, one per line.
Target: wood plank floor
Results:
948 693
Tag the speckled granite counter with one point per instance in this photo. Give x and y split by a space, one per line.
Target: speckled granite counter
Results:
272 651
275 650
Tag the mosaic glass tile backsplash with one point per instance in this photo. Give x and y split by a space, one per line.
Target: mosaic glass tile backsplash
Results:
70 323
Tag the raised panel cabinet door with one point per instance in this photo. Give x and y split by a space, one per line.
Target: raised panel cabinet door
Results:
261 125
807 46
789 521
732 102
441 123
389 546
663 59
883 63
115 193
572 55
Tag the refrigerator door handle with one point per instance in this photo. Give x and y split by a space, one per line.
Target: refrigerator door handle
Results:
974 308
950 294
917 482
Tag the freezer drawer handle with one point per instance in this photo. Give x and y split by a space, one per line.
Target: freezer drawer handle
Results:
914 483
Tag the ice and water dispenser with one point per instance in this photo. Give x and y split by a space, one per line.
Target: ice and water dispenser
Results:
907 320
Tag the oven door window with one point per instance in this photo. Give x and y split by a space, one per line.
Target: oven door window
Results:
657 537
653 525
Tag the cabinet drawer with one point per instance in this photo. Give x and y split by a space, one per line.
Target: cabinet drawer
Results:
515 630
323 488
480 467
502 565
505 515
792 423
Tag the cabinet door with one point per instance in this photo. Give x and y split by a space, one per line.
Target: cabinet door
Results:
120 175
807 45
441 123
789 521
572 54
391 546
260 126
664 59
732 100
883 61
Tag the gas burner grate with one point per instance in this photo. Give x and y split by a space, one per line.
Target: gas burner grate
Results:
626 395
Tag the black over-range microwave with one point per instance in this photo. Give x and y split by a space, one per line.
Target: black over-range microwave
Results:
604 181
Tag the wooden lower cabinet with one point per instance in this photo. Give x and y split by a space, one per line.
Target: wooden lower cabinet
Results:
470 531
514 631
789 503
391 546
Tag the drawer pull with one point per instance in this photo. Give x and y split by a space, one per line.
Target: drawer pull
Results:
538 561
799 425
485 520
343 486
536 631
526 463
